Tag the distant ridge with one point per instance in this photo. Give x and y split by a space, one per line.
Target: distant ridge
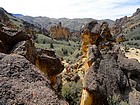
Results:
17 15
72 24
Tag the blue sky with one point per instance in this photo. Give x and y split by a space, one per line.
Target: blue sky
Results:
97 9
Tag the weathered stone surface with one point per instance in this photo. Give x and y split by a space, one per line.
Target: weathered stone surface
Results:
113 75
48 60
27 74
137 12
2 47
45 60
23 83
120 38
59 32
11 37
19 42
94 33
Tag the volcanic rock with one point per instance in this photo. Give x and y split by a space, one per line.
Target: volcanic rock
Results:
97 34
113 75
22 83
45 60
59 32
10 38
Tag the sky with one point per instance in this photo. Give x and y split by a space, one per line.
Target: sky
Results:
96 9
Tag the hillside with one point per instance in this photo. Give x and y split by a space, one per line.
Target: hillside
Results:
40 68
72 24
130 28
11 21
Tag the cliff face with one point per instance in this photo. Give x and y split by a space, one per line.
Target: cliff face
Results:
59 32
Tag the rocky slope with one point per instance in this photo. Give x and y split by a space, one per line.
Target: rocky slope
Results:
23 83
13 22
102 75
27 75
130 28
114 79
125 24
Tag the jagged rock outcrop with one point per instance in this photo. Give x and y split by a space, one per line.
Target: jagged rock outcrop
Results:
94 33
3 16
23 83
137 12
126 24
16 43
109 76
117 28
45 60
10 37
59 32
28 75
19 42
112 76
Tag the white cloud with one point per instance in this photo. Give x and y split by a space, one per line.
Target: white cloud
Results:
99 9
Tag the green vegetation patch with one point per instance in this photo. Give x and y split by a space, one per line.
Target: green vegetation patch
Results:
72 91
67 49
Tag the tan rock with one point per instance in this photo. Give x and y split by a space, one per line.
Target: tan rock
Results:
59 32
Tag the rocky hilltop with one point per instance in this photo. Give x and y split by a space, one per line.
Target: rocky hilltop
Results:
11 21
72 28
128 27
126 24
100 75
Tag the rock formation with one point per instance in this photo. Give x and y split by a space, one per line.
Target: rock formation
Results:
3 17
109 75
10 37
59 32
28 75
125 24
94 33
23 83
137 12
45 60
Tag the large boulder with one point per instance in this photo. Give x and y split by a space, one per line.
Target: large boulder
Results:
45 60
113 78
10 37
98 34
23 83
